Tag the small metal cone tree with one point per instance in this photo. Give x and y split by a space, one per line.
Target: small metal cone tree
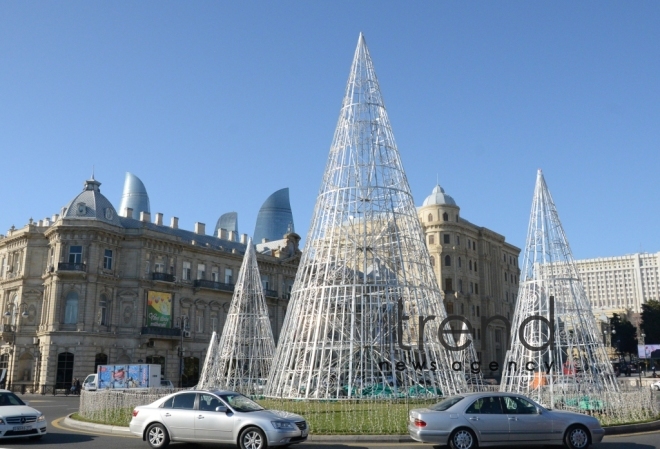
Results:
365 286
469 362
554 350
241 358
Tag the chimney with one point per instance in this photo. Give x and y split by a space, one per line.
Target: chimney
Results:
128 212
159 219
200 228
145 217
56 217
232 236
174 224
222 234
40 223
244 239
264 240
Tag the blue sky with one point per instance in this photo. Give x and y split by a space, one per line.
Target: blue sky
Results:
215 105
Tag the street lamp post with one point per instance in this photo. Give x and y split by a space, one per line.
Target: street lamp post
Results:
182 324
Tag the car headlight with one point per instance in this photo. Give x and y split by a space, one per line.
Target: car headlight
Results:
2 421
283 425
41 418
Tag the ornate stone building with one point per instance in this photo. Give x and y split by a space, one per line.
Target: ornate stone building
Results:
477 270
90 287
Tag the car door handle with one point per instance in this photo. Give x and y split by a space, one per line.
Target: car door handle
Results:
200 416
513 418
167 414
474 418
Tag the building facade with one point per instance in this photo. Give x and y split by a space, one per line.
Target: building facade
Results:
90 287
478 272
621 284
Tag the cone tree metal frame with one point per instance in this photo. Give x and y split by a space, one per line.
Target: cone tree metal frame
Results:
241 358
365 305
556 345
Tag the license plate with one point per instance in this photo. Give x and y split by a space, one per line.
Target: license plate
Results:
18 428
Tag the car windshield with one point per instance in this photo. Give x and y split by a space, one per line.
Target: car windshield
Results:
240 403
10 399
445 404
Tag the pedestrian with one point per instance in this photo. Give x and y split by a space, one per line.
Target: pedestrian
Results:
3 383
73 385
77 384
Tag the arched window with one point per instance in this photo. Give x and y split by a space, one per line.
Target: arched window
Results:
190 375
432 261
470 265
64 373
430 217
103 311
71 309
447 261
445 217
460 285
100 359
460 263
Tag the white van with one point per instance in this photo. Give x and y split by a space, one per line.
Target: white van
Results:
90 383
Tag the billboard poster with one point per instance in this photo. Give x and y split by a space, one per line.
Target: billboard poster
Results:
123 376
159 309
648 351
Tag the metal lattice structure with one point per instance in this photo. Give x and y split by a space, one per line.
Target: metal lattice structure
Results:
556 345
469 362
365 282
241 358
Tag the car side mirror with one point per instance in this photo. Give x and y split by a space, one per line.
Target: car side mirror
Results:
26 403
221 408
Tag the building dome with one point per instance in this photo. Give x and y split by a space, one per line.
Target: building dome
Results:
439 198
90 204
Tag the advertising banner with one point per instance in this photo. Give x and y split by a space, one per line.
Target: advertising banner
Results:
123 376
159 309
648 351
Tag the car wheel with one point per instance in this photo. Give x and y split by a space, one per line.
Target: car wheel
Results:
252 438
577 437
157 436
463 439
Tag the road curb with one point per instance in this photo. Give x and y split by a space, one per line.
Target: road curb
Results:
118 430
632 428
103 428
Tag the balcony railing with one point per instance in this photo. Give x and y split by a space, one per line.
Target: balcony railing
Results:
270 293
164 277
203 283
161 331
64 266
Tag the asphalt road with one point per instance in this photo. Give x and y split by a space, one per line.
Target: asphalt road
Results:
57 407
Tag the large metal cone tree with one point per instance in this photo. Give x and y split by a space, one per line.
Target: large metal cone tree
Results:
241 358
365 279
556 345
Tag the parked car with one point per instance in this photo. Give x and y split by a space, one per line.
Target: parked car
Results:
215 417
164 383
18 420
656 385
488 419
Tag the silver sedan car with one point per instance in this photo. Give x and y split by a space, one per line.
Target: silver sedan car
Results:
218 417
500 419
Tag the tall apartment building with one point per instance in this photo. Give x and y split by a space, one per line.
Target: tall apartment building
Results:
477 270
91 286
621 284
